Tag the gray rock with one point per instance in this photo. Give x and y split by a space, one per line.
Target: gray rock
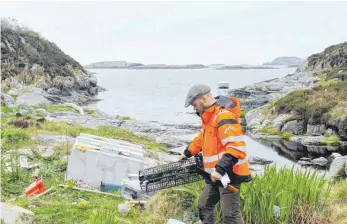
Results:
3 114
49 152
34 98
93 81
101 89
93 91
41 112
255 116
46 139
279 120
53 91
333 156
308 140
13 92
15 215
259 161
305 159
330 132
316 129
304 163
274 87
321 161
7 100
295 127
317 149
338 166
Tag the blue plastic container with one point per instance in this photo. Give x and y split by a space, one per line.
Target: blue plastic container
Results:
105 187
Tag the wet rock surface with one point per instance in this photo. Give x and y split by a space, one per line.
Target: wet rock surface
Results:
259 94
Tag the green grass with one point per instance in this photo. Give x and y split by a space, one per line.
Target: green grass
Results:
8 110
122 118
55 108
91 112
243 114
285 188
269 130
104 131
14 138
331 140
328 83
340 192
287 135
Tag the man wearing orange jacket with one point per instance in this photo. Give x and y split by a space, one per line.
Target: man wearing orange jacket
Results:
223 149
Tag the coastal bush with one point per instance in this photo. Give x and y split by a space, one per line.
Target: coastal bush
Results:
317 105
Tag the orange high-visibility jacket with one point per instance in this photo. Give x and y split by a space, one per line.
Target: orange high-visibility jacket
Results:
221 141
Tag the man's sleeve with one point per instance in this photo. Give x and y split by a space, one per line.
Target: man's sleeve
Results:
195 146
231 136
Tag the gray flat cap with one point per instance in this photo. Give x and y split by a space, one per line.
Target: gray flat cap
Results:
195 92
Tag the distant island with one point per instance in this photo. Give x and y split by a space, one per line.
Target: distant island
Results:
239 67
290 61
132 65
164 66
140 66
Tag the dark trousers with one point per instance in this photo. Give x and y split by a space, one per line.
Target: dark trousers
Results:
230 203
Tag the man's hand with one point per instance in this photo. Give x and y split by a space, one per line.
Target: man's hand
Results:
183 157
215 176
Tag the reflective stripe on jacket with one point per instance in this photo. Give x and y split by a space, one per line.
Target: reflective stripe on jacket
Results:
221 140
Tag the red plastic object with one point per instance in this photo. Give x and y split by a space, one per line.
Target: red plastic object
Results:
35 188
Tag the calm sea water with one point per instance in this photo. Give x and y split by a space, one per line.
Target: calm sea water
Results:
159 95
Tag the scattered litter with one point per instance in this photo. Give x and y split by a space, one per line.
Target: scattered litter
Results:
49 190
95 159
82 202
36 172
49 152
188 216
105 187
24 163
174 221
130 189
23 111
35 188
277 211
123 208
91 191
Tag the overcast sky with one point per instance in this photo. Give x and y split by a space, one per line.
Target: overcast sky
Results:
185 32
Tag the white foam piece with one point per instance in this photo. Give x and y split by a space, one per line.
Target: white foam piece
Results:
94 166
111 140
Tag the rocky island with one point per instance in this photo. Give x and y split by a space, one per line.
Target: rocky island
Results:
131 65
289 61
